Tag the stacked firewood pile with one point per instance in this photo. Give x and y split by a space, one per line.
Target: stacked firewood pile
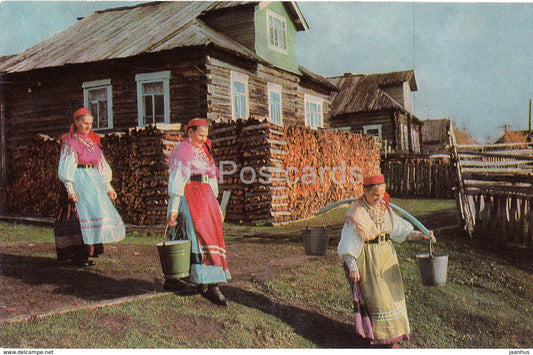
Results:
140 173
137 158
278 174
325 166
35 189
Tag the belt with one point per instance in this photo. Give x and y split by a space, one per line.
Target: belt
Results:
85 166
200 178
381 238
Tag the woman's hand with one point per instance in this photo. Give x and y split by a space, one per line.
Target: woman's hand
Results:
431 236
172 219
73 197
354 276
112 195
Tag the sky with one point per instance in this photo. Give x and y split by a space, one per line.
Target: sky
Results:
473 61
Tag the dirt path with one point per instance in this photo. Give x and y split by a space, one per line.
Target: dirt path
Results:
32 283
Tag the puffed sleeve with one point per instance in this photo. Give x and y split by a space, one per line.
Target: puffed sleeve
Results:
105 172
68 162
176 188
350 245
400 227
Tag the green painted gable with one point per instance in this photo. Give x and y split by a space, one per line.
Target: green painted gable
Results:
284 61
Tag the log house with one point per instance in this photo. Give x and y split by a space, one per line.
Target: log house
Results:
161 62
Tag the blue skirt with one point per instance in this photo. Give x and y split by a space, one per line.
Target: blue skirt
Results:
99 219
200 273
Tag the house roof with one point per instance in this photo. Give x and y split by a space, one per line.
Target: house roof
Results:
129 31
511 136
364 93
436 130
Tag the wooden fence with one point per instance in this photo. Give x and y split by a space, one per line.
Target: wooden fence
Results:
419 175
495 191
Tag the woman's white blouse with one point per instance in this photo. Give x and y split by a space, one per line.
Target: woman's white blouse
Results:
68 163
351 242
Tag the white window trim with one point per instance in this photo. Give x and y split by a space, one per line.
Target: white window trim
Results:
284 20
242 78
99 84
367 128
144 78
276 88
316 100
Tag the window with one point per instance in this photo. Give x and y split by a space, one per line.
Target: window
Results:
239 95
313 111
373 130
153 98
274 103
98 98
276 32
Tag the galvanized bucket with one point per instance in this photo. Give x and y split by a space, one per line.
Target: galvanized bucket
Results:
315 240
175 258
433 267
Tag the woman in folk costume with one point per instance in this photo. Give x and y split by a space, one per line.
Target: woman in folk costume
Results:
194 211
86 175
371 265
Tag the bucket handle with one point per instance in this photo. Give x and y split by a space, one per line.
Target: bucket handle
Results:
166 235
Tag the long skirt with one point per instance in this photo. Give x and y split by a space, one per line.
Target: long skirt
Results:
200 221
99 220
382 289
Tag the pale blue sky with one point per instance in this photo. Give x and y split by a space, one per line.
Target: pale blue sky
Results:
473 62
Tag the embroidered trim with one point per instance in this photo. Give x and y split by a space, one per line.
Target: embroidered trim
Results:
389 315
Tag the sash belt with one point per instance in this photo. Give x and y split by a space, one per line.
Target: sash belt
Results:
382 238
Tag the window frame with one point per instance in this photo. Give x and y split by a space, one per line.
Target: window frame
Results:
369 127
320 103
243 79
278 89
146 78
97 85
283 20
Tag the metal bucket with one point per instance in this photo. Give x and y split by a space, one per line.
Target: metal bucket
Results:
433 268
315 240
175 257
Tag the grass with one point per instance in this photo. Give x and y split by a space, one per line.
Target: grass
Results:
486 302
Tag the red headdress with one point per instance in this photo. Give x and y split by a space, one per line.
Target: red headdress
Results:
196 122
376 180
77 114
373 180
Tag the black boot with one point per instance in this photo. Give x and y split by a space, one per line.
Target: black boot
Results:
215 295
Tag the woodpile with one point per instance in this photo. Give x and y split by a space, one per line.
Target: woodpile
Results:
140 172
327 166
138 159
266 167
35 189
270 163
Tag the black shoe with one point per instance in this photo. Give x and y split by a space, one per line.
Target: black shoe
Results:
216 296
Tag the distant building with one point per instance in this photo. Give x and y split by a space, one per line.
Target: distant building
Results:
519 136
435 135
380 105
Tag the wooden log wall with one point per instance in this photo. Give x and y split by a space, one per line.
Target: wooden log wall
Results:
410 175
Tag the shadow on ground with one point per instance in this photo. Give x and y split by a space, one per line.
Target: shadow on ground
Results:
321 330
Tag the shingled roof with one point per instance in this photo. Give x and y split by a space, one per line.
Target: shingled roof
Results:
129 31
364 93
